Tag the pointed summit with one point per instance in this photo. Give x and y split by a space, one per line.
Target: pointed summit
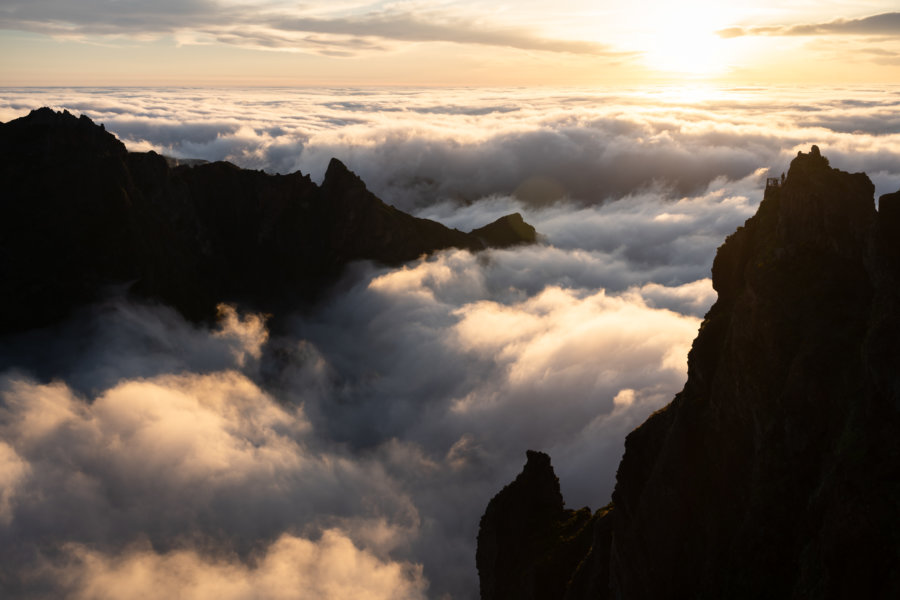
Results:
509 230
340 179
521 524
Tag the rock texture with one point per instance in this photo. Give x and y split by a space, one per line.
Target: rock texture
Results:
775 472
79 212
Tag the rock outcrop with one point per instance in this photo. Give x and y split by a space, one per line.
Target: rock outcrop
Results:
79 212
529 545
510 230
775 472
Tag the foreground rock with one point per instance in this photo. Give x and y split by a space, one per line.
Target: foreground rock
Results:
774 473
529 545
79 212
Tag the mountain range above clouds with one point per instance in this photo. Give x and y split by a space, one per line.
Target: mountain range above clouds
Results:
82 215
770 474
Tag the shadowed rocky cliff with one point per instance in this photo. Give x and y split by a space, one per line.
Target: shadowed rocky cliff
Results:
527 531
79 212
775 472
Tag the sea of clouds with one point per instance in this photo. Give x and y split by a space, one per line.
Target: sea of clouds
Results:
352 454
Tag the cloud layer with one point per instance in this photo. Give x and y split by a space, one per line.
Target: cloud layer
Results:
359 446
331 568
416 147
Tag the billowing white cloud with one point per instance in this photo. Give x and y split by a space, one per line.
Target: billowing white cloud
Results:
362 441
330 568
13 470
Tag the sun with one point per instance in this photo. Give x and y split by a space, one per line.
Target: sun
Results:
681 39
695 53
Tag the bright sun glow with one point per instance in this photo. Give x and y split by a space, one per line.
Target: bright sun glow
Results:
692 54
683 40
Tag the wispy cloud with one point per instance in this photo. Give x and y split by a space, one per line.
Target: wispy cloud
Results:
271 26
875 25
410 27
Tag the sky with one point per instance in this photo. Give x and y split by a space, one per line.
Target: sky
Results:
353 453
446 42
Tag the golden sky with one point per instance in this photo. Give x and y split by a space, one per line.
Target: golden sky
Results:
458 42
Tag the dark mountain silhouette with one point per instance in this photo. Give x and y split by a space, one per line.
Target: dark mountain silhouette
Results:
80 212
510 230
775 472
528 543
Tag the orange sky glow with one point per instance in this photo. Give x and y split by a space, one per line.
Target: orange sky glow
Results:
576 42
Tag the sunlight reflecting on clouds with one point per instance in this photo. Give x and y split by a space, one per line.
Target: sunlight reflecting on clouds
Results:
164 434
331 568
13 469
586 345
248 332
359 443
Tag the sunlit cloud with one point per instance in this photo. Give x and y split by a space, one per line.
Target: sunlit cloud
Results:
368 432
330 568
13 470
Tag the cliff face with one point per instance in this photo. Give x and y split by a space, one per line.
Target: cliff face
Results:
775 473
79 212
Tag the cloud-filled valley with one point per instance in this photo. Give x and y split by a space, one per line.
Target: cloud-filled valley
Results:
359 444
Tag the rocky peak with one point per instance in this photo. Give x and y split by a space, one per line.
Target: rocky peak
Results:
70 134
339 180
506 231
819 214
521 531
823 205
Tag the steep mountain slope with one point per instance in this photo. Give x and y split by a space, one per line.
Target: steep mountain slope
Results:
775 472
79 212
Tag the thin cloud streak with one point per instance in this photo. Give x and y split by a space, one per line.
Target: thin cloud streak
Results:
409 27
259 26
885 24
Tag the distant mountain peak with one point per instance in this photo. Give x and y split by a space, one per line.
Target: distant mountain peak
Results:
339 177
509 230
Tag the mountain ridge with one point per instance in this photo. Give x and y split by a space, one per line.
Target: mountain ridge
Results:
81 212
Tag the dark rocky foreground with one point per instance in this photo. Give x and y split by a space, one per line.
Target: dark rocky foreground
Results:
79 213
775 472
